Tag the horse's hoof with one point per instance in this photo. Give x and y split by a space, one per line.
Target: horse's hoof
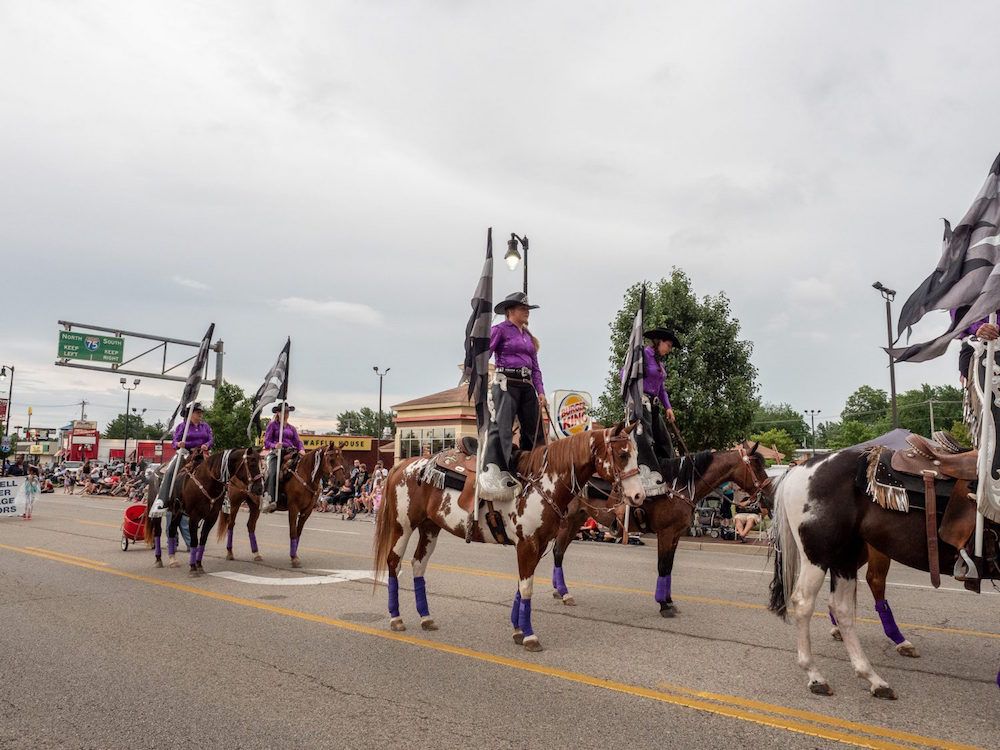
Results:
569 601
158 563
668 610
908 649
396 625
820 688
531 643
258 558
229 555
173 563
428 624
296 563
201 568
884 692
835 634
193 572
518 637
556 594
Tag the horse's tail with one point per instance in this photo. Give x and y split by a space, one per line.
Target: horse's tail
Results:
151 489
786 555
385 521
223 525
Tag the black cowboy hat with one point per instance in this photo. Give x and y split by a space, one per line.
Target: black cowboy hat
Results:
288 407
663 334
196 406
513 300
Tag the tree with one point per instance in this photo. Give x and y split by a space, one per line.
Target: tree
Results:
229 416
780 440
851 432
115 429
710 379
782 417
914 408
866 405
365 421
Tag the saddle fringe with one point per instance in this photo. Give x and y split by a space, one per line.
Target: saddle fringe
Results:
432 475
889 497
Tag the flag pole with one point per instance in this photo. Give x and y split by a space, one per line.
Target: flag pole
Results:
987 432
184 436
281 437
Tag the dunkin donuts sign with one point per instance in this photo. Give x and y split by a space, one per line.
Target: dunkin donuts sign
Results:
572 413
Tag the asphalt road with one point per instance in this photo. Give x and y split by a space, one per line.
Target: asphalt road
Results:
100 650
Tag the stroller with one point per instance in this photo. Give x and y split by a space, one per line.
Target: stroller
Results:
707 519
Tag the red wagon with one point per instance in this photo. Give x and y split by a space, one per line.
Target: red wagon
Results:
134 525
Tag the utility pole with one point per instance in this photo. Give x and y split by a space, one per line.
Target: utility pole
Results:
83 405
812 417
128 401
931 404
889 295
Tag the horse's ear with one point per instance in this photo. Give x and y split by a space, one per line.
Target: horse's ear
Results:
753 450
617 429
630 426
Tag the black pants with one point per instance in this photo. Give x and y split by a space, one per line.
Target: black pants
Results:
663 446
515 399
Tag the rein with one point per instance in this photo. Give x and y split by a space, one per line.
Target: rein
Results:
311 485
224 476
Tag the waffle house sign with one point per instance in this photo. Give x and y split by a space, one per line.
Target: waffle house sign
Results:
344 442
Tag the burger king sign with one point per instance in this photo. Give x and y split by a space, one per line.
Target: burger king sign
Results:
572 412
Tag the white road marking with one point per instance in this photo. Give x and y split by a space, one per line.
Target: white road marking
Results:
338 576
313 528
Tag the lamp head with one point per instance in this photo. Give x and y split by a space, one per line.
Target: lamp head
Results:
513 256
122 381
135 382
3 373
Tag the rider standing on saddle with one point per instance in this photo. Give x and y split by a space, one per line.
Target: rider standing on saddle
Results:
656 402
517 392
274 437
197 443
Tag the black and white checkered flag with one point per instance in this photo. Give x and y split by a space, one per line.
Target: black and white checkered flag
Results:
635 365
274 388
193 384
477 338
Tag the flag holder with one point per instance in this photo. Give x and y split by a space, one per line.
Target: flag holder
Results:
277 456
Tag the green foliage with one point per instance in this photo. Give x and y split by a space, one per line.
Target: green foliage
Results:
851 432
866 405
914 409
229 416
961 433
780 440
137 428
768 417
711 381
365 421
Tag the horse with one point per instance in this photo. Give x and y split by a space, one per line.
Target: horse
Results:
669 515
551 476
302 486
240 493
824 521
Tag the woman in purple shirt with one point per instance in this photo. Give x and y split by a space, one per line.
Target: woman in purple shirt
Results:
197 442
274 436
662 342
517 392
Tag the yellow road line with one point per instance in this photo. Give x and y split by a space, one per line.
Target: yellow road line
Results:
67 557
706 706
895 734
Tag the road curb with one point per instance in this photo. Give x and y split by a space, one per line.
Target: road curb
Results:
737 549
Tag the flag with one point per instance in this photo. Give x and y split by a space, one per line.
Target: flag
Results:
635 365
477 337
967 277
274 388
194 379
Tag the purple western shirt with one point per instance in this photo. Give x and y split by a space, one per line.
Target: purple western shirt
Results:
197 435
290 437
974 328
514 348
653 380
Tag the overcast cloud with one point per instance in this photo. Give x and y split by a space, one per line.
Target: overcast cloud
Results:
328 171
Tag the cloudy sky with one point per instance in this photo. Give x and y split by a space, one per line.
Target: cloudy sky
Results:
327 170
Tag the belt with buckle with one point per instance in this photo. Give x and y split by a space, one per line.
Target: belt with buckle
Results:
522 373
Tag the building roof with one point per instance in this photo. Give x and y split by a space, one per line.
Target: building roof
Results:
457 395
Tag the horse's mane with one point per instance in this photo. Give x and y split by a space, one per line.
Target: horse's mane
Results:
560 455
685 470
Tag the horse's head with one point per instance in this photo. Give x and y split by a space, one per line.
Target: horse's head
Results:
250 471
750 475
332 461
617 463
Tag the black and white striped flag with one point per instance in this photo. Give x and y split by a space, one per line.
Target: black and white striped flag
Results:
967 277
477 338
274 388
193 384
635 365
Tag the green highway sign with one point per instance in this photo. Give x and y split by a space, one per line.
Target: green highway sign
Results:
74 345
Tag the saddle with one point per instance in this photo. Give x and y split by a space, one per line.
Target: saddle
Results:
926 457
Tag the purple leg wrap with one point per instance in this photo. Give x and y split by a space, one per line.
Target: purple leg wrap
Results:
524 620
559 582
888 621
834 619
294 547
193 556
393 596
663 589
171 545
156 546
515 611
420 591
229 540
253 542
201 552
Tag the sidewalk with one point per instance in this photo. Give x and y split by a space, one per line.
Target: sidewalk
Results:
756 547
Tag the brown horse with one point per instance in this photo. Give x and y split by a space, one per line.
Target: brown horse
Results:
240 493
302 485
668 516
552 475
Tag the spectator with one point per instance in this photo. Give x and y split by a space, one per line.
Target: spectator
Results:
747 518
30 490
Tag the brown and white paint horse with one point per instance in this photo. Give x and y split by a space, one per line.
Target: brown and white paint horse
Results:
691 478
552 477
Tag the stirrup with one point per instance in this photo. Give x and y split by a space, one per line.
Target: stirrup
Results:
965 568
158 510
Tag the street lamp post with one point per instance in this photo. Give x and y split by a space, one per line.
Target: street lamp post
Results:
378 431
812 418
512 256
889 295
10 391
128 401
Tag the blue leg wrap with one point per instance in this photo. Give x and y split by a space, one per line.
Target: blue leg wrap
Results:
420 591
393 596
515 611
559 582
524 621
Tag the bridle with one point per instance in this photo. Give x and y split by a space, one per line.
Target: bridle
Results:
761 486
320 458
225 475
